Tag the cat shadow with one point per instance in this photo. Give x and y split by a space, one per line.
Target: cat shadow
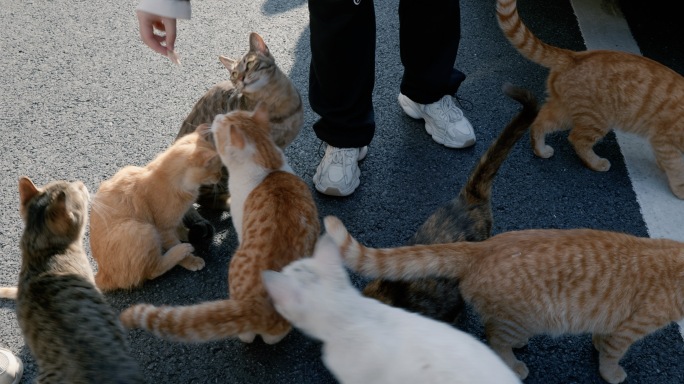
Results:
220 220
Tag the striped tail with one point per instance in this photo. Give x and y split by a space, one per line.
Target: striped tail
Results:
8 293
402 263
478 188
209 321
525 42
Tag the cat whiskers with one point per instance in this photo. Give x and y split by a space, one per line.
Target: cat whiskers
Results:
101 209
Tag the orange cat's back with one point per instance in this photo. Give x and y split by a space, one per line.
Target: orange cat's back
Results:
593 92
136 215
618 287
280 225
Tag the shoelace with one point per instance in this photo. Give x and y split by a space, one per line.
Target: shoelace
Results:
339 154
447 109
461 101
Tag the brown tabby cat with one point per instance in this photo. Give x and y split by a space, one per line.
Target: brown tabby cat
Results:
595 91
547 281
72 332
468 217
254 78
276 221
136 216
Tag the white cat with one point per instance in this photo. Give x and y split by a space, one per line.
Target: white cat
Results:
366 341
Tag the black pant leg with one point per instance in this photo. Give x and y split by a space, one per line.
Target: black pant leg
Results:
429 34
342 73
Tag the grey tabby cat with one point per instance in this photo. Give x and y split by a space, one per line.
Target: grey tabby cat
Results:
254 78
467 217
72 332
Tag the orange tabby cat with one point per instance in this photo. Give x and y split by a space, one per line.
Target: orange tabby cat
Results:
276 221
616 286
595 91
136 216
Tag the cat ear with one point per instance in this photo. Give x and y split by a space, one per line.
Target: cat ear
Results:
260 114
256 43
228 62
204 131
282 290
27 190
327 254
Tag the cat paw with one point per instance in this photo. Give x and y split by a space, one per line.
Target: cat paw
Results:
678 190
544 152
613 373
272 339
184 248
520 344
247 337
520 369
200 231
192 263
602 165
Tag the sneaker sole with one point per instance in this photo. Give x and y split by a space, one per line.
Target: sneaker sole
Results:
440 140
331 191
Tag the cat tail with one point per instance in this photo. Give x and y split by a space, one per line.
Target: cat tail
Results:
8 293
208 321
478 188
401 263
525 42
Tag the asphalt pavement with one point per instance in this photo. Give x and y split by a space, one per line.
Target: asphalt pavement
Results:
81 97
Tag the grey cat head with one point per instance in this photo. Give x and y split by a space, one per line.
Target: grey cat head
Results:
55 214
305 285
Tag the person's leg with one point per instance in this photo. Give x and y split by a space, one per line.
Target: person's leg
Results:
429 33
11 367
341 80
342 73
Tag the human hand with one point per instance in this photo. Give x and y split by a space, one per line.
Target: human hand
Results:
163 41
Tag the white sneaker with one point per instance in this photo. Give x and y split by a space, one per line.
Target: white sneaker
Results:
338 173
11 367
444 121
